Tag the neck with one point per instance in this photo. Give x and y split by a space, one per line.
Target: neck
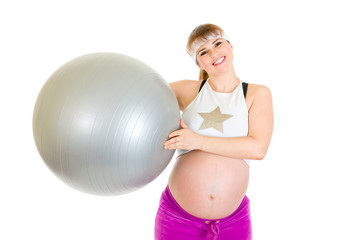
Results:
224 82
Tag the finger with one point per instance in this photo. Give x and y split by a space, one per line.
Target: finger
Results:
182 124
171 142
174 143
171 146
175 133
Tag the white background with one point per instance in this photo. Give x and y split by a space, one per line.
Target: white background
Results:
307 52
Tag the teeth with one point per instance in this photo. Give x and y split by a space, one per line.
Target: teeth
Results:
219 61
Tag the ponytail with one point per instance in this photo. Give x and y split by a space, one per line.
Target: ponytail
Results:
203 75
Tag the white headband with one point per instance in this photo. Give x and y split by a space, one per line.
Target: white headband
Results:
199 42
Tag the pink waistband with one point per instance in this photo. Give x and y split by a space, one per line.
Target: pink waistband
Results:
243 209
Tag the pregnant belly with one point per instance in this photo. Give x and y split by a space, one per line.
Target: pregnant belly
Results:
209 186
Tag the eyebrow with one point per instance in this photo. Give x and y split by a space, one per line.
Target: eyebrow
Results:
212 43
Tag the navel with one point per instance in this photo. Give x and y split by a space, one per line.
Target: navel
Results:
211 197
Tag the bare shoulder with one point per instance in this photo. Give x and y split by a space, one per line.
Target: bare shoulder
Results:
257 92
185 91
255 89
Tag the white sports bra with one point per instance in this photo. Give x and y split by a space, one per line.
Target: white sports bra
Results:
217 114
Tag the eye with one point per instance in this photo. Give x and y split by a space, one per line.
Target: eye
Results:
203 53
218 44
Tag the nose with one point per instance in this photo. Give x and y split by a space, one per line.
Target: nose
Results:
213 54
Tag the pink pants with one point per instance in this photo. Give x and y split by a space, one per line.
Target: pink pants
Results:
174 223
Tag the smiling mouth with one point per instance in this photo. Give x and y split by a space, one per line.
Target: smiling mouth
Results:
219 61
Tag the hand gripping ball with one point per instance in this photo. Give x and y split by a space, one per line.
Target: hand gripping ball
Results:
100 122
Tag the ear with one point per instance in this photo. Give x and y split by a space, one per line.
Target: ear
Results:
231 46
200 66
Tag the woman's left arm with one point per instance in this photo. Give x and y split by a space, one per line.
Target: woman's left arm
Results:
252 146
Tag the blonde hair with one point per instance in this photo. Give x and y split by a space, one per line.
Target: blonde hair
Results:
202 33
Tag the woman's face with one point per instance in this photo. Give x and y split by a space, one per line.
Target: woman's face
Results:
215 56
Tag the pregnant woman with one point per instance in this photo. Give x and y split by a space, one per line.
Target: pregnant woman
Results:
225 124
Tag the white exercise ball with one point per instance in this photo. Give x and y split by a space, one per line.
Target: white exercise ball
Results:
100 122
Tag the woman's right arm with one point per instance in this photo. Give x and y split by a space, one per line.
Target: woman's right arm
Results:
185 91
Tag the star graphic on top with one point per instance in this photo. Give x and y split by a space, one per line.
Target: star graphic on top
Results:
214 119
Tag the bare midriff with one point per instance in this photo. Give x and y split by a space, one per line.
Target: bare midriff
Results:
207 185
